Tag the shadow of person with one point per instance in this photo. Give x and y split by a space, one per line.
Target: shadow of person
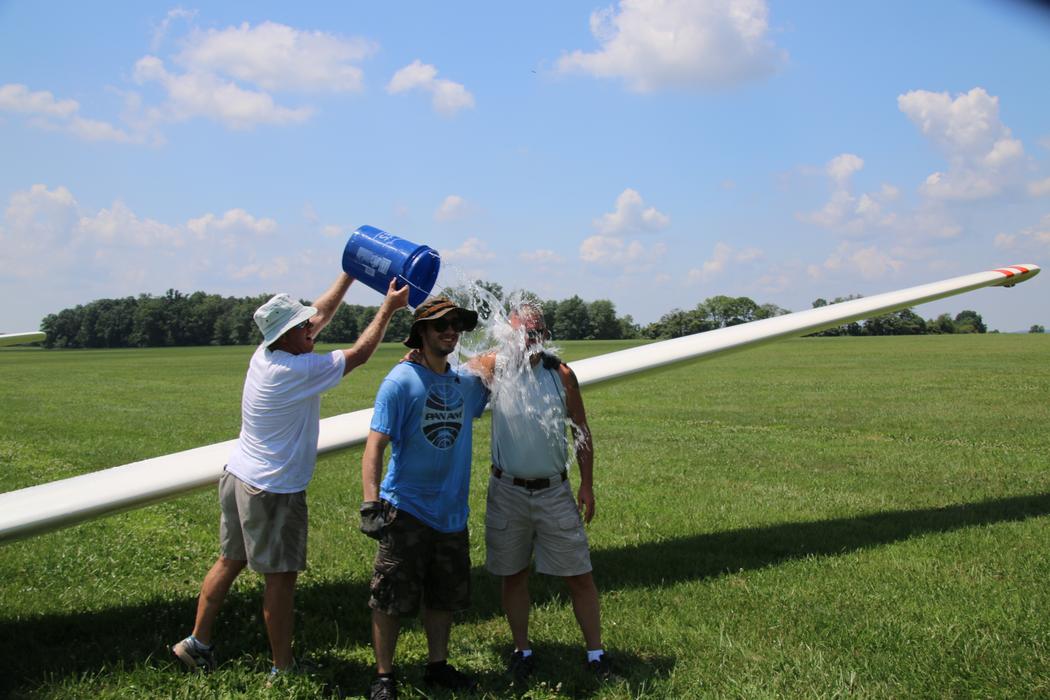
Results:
334 613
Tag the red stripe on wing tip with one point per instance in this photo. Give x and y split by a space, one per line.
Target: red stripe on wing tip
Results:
1008 273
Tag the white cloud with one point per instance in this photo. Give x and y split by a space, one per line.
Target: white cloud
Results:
869 262
983 157
15 97
207 95
722 257
46 234
472 249
657 44
161 31
1035 239
845 212
277 57
233 225
543 256
841 167
272 270
452 208
631 216
606 250
1039 188
118 225
47 112
447 97
37 225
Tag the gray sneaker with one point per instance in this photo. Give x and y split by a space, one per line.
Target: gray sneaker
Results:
194 656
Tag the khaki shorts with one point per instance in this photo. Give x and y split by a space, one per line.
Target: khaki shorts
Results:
268 530
520 522
416 563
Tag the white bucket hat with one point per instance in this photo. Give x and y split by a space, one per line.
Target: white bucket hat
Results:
277 316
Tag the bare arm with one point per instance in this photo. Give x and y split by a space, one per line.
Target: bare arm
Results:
484 366
328 303
373 333
582 443
372 465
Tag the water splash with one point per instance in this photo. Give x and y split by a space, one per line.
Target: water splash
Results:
529 406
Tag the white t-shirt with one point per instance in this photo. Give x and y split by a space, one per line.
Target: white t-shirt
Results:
280 418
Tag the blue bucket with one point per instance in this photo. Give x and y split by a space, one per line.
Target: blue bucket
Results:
375 257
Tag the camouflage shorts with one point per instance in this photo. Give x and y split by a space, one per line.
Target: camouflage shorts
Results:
417 563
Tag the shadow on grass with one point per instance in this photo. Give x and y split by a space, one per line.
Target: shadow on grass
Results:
43 649
717 553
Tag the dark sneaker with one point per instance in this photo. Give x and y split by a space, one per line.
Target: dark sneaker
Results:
194 656
383 689
446 676
602 669
521 667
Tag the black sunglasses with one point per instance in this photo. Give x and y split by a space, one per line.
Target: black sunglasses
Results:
441 324
304 324
538 333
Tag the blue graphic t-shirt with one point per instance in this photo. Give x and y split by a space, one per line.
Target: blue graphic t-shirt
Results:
429 418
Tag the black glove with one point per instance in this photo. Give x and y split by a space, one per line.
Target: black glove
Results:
373 520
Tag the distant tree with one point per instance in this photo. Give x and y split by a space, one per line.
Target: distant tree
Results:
604 324
728 311
969 322
769 311
941 324
342 328
679 323
1036 328
572 322
903 322
550 313
628 328
851 328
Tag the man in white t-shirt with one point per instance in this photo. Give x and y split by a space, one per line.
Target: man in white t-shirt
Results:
262 491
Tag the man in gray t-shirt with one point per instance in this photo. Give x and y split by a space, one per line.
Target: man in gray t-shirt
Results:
530 508
262 492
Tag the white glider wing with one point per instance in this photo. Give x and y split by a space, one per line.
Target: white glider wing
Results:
50 506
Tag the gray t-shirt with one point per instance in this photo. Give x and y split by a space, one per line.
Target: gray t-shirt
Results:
528 421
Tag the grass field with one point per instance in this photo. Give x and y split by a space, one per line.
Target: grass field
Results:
864 517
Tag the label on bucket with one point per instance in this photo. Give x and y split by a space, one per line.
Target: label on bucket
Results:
373 262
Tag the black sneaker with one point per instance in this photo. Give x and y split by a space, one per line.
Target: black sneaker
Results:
446 676
602 668
521 667
194 656
383 689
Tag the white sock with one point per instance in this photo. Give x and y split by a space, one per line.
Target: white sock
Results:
199 644
594 654
525 653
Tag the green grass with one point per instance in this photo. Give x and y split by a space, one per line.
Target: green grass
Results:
817 518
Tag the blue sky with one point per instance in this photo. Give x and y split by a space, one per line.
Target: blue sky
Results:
650 152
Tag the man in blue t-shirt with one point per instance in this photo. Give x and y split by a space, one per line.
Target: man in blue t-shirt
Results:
425 410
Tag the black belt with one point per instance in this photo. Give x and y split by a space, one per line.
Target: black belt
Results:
531 484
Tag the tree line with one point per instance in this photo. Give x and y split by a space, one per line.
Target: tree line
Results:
210 319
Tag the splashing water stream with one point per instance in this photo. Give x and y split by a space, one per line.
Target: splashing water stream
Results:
528 407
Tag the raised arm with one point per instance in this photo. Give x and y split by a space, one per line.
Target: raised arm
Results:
581 433
373 333
328 303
